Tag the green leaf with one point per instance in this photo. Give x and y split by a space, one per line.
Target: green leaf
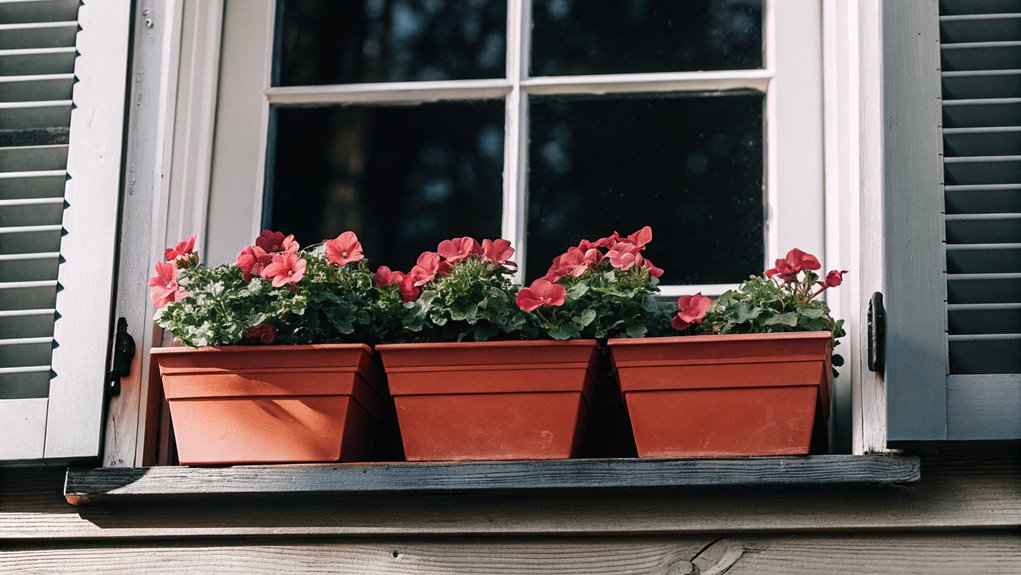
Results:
636 331
585 318
577 290
789 319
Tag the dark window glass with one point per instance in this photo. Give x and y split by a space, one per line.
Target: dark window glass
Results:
632 36
350 41
691 167
402 178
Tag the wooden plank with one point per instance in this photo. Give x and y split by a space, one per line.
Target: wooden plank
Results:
794 554
970 489
174 482
916 356
984 406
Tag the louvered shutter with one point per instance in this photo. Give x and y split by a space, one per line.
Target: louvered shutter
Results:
62 80
952 97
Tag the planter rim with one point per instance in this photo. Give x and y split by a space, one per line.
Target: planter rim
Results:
254 348
619 341
491 344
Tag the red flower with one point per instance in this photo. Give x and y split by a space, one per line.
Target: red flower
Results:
409 292
182 250
833 279
427 268
692 308
344 249
498 251
541 293
274 242
624 255
384 276
263 333
286 268
789 267
165 288
653 270
458 249
252 260
641 237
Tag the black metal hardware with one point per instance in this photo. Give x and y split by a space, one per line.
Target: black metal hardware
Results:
876 333
123 353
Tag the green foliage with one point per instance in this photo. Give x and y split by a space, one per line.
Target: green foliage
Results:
330 304
474 302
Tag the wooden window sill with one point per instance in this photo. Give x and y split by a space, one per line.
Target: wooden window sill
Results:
171 483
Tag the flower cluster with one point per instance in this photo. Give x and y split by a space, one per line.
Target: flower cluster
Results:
273 292
602 288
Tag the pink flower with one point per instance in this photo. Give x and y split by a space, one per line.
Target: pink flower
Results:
541 293
789 267
459 249
183 250
384 276
692 308
427 268
344 249
165 289
263 333
624 255
286 268
653 270
498 251
833 279
409 291
252 260
274 242
641 237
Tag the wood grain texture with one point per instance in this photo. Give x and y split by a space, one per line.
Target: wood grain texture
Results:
958 490
277 481
996 553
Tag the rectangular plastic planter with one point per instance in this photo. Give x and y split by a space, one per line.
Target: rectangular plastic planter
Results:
492 400
725 395
272 404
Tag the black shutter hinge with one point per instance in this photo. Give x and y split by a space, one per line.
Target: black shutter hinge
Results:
876 333
123 353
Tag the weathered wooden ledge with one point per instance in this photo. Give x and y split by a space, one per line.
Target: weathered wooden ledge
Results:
84 486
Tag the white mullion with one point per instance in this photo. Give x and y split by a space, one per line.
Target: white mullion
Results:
516 132
655 82
770 228
391 92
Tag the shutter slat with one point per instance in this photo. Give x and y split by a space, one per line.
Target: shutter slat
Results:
31 212
33 159
962 7
980 27
28 294
981 56
983 228
38 35
984 258
48 114
37 61
985 354
29 239
37 88
983 170
982 141
985 318
982 84
29 267
981 199
28 323
21 352
983 288
987 113
28 11
28 185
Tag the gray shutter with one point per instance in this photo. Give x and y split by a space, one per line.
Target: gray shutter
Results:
59 180
952 98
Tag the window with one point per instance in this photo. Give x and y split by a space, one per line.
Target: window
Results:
540 121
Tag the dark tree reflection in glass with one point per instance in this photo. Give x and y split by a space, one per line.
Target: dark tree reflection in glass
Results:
352 41
403 178
691 167
572 37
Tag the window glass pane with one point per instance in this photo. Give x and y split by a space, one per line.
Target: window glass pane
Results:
402 178
691 167
349 41
632 36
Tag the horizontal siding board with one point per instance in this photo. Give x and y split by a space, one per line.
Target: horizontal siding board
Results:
984 407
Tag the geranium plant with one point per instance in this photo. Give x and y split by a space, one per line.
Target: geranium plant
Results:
274 292
462 291
598 289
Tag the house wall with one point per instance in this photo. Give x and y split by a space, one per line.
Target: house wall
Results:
962 518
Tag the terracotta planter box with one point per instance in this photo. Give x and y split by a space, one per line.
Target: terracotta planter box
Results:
272 404
492 400
725 395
